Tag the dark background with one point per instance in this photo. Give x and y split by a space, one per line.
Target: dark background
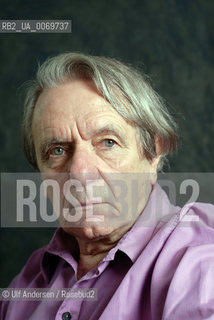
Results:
170 40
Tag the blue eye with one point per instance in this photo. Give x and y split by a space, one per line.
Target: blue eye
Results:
58 151
109 143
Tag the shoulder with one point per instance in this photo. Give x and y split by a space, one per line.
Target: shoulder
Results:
27 277
190 294
39 264
30 270
188 260
196 223
192 225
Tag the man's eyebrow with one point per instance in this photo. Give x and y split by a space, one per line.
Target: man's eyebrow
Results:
108 129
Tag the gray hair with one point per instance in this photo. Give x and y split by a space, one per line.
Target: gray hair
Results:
125 88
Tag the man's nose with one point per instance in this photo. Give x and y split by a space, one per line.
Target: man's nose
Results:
83 164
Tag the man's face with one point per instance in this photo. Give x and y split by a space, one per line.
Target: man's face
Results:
79 137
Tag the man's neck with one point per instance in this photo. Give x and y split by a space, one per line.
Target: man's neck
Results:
92 252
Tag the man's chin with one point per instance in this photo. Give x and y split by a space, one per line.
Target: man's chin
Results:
95 232
90 232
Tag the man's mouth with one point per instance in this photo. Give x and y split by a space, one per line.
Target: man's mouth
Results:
87 204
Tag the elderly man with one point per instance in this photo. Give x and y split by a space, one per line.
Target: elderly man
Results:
96 122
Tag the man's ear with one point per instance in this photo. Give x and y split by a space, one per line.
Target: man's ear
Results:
158 145
158 150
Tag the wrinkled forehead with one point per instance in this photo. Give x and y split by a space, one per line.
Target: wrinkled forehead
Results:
76 98
79 95
77 103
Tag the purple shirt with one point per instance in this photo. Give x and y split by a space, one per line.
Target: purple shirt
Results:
162 268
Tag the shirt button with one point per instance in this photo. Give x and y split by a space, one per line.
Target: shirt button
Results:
66 316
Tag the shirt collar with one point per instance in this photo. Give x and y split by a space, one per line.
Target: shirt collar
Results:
156 213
